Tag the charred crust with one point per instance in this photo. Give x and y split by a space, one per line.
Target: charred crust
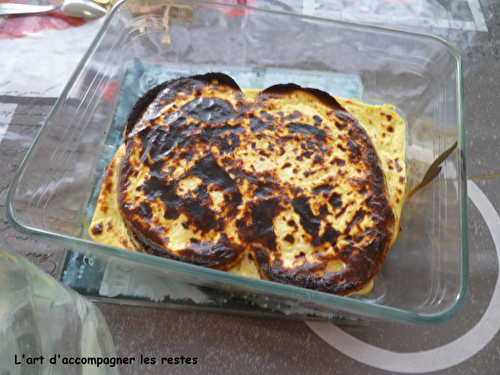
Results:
140 106
218 255
264 135
180 84
285 88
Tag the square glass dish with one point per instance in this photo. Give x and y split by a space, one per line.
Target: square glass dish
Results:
143 43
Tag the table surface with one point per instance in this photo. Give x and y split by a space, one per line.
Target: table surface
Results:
469 343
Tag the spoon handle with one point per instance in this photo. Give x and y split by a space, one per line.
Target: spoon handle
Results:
11 9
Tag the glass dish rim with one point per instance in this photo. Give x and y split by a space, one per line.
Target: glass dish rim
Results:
349 305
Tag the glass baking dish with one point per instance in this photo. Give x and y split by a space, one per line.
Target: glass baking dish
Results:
142 43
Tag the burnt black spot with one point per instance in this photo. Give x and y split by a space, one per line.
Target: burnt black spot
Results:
265 189
343 116
289 238
398 167
97 229
317 120
160 141
298 127
266 116
229 143
261 228
318 159
155 188
108 187
323 210
309 173
209 171
258 125
336 201
340 125
338 162
205 252
367 232
200 215
201 193
293 116
331 235
292 223
186 155
309 222
197 208
358 217
355 149
308 154
324 189
390 128
144 210
209 110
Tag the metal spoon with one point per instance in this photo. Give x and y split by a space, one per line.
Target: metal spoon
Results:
73 8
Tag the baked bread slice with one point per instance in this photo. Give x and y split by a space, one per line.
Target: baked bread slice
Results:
286 180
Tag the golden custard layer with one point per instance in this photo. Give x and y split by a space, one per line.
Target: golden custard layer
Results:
286 184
